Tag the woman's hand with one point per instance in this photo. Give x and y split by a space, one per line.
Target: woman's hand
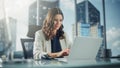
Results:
64 52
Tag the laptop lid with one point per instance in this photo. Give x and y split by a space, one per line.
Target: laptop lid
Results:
85 48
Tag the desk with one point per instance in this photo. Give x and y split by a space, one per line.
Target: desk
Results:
30 63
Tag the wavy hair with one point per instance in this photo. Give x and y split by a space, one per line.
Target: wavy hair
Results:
48 24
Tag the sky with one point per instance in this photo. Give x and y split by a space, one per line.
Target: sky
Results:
1 10
18 9
113 25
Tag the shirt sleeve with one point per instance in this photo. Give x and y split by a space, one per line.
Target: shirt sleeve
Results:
68 41
38 49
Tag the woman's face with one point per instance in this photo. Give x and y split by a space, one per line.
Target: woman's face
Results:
58 21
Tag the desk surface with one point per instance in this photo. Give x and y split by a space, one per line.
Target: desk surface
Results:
61 63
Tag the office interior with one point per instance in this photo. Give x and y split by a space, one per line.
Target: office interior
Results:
20 19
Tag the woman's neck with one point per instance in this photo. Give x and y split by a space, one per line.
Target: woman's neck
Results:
54 32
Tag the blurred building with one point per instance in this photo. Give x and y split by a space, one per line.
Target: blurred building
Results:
2 37
37 13
5 41
87 19
13 31
87 13
7 35
88 22
85 29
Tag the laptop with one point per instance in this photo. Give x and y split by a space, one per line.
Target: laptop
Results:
85 48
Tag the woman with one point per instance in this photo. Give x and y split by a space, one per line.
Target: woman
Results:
51 41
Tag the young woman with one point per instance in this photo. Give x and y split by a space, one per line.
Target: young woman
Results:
51 41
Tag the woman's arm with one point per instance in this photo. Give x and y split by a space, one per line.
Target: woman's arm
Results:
64 52
68 41
38 46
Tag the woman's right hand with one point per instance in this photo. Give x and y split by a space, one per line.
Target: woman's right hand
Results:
64 52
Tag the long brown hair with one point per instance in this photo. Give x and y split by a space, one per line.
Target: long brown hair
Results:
48 24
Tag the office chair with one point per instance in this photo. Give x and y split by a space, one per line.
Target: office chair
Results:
27 45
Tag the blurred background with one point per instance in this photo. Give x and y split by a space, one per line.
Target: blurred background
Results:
20 19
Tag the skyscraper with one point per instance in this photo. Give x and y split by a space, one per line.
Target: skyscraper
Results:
13 31
87 13
88 22
87 16
5 40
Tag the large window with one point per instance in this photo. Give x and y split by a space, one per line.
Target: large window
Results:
21 18
113 25
112 16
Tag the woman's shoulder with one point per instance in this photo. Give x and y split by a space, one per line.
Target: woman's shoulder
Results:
65 33
40 32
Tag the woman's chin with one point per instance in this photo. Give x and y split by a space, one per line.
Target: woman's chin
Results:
56 28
